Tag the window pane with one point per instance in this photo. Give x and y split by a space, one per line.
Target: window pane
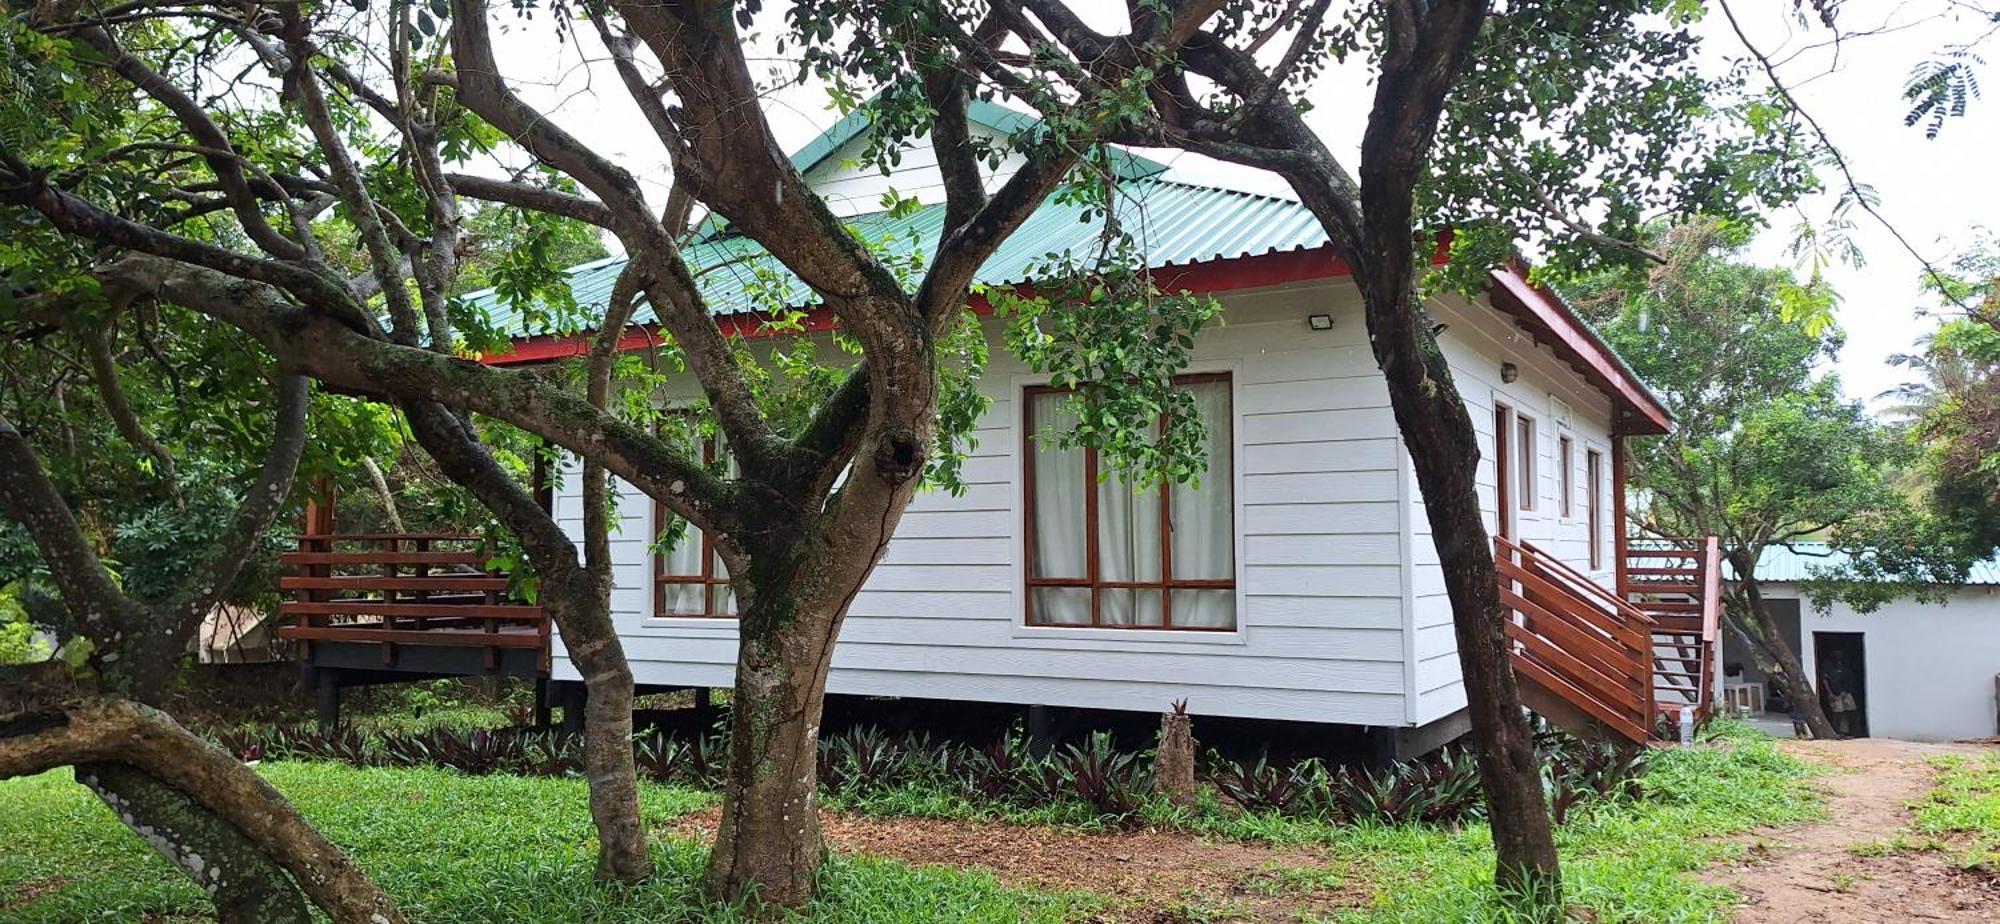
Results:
1204 516
1564 476
1205 609
1128 531
682 600
1524 454
1129 607
684 559
1059 498
1059 606
723 600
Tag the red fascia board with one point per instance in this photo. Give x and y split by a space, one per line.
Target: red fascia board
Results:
1640 413
1512 293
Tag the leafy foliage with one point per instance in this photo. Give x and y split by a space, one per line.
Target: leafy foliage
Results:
1574 124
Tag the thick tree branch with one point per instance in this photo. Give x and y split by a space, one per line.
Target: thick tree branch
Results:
104 371
531 197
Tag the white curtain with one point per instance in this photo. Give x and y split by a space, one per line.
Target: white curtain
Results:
1128 549
1059 514
684 559
1204 521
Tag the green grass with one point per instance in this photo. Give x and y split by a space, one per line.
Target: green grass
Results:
1622 862
451 848
1962 813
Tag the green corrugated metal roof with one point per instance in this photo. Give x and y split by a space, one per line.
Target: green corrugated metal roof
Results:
1174 223
1783 564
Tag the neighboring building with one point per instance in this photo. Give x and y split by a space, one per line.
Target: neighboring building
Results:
1298 582
1923 671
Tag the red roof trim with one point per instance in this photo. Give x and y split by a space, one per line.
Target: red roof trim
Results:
1553 321
1639 413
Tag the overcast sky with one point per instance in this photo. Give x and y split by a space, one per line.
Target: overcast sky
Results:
1935 192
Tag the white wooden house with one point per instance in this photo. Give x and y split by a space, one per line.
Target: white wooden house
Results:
1298 582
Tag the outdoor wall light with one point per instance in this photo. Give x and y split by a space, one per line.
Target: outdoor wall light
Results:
1509 372
1319 321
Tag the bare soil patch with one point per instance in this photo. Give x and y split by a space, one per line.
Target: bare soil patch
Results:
1152 876
1836 871
22 895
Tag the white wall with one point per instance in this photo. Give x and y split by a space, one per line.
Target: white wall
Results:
853 189
1477 340
1930 667
1321 623
1341 614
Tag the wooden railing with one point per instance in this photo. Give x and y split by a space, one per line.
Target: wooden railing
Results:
1678 581
1582 653
397 589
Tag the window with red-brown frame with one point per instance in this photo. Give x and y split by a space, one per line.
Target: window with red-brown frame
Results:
689 578
1103 554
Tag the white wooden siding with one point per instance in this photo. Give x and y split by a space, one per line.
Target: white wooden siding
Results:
1340 605
1322 630
1476 342
853 189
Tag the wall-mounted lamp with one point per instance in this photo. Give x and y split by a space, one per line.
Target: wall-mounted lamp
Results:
1509 372
1319 321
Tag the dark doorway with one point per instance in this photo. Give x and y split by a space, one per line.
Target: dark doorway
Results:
1841 667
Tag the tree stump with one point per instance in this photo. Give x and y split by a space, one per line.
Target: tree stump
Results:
1173 760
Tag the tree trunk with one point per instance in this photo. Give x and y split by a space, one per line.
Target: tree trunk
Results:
1444 450
1792 676
1437 431
245 886
578 602
40 734
769 846
592 643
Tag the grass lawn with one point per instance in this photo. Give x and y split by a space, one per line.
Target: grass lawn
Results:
453 848
1962 815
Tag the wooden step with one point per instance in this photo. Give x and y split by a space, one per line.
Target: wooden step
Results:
473 558
412 583
414 611
1571 709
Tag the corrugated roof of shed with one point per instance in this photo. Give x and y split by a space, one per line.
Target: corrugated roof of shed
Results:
1787 565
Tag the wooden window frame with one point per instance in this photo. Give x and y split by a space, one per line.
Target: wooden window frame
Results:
713 586
1593 478
1566 475
1093 580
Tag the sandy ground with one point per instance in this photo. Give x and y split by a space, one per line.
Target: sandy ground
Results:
1813 873
1153 877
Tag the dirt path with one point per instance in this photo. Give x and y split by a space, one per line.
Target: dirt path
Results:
1152 876
1814 874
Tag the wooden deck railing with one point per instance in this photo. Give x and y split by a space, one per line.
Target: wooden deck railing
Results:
1576 645
405 589
1678 581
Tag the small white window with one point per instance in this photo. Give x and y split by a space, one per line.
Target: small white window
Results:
1565 476
1524 461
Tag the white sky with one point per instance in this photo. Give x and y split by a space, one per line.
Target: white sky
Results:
1935 192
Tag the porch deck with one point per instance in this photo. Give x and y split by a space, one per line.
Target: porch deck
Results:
387 607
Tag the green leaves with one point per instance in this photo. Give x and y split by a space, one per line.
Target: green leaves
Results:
1102 329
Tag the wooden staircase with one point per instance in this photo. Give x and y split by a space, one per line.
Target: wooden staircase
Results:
1606 664
1678 582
